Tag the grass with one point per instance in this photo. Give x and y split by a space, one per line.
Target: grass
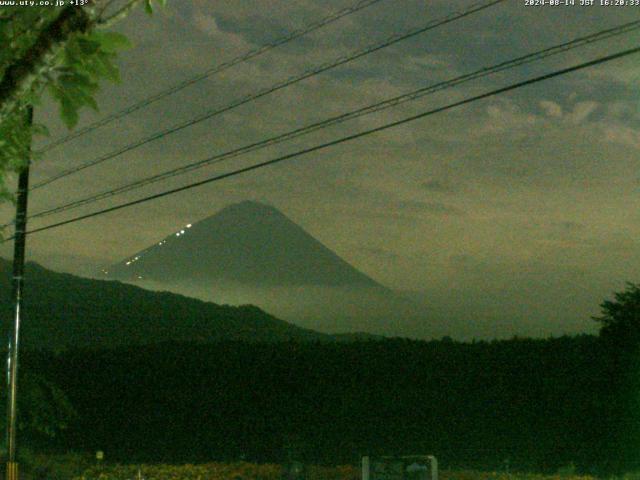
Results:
250 471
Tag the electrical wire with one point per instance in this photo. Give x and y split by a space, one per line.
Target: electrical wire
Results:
341 140
271 89
210 72
392 102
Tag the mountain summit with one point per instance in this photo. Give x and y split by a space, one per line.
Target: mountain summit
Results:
248 243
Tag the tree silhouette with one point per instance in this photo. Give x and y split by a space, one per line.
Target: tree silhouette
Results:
44 410
620 318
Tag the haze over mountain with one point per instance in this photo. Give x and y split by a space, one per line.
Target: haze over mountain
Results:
62 310
250 252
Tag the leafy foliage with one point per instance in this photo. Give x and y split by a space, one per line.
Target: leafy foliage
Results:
195 396
44 410
250 471
63 310
540 403
68 65
65 466
208 471
15 137
87 58
620 318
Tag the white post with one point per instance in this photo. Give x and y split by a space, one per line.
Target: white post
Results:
365 468
434 467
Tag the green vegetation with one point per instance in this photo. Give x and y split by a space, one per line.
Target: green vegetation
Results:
63 311
144 391
542 404
250 471
64 51
620 318
44 409
253 471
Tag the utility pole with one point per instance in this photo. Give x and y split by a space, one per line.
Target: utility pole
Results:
18 282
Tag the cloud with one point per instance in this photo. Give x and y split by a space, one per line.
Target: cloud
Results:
622 135
581 112
206 24
432 208
428 61
508 117
438 186
209 25
542 175
571 226
552 109
461 260
382 253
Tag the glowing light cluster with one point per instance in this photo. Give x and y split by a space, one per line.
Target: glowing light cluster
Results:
160 243
182 231
134 259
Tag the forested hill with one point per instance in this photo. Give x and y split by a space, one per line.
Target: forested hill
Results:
62 310
540 404
186 381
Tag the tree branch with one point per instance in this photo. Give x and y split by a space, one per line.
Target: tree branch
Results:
117 15
20 77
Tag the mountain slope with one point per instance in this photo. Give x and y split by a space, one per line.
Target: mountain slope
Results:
248 243
62 310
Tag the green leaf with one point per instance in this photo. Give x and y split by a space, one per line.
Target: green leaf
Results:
69 112
148 7
88 46
54 91
75 78
73 53
111 42
68 107
78 80
80 98
107 69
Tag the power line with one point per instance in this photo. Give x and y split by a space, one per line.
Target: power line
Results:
278 86
212 71
392 102
344 139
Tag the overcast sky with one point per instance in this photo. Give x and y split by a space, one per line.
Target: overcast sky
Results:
522 208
